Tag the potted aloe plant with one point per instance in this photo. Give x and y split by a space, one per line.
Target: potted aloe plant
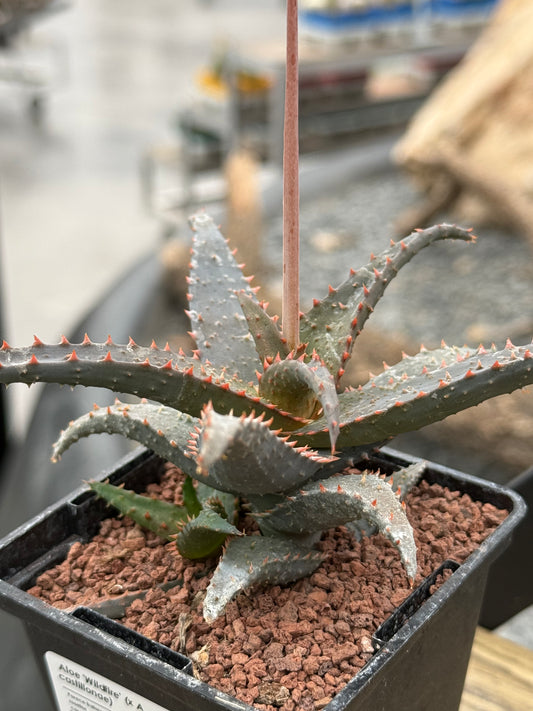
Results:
259 424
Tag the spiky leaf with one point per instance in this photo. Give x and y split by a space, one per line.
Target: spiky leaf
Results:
158 516
396 402
170 378
242 455
253 560
236 454
203 535
227 504
218 324
332 325
404 479
269 341
339 500
401 481
162 429
422 362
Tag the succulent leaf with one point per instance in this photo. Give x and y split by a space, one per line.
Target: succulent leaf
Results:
303 388
203 535
256 559
170 378
269 341
215 278
401 481
162 429
231 458
339 500
197 537
332 325
191 500
421 362
161 517
242 455
225 503
404 479
391 403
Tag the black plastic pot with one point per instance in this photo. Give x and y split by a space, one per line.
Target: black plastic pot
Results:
422 650
510 583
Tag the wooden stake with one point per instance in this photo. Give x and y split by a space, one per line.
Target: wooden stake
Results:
291 188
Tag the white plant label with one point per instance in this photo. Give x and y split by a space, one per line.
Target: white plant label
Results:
80 689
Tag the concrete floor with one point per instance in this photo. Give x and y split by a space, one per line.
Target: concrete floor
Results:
72 216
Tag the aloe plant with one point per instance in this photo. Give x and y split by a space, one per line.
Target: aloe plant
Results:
258 417
253 421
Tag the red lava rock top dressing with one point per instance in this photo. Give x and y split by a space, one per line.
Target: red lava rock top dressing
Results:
285 648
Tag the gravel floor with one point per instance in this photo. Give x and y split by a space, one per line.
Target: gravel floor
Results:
462 293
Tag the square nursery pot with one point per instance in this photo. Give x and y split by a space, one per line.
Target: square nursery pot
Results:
91 662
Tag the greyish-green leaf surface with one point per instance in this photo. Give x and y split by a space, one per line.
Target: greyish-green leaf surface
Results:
402 482
269 341
210 497
214 308
339 500
302 388
241 454
203 535
332 325
161 429
253 560
173 379
397 402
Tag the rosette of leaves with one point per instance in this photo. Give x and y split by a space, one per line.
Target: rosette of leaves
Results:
249 419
